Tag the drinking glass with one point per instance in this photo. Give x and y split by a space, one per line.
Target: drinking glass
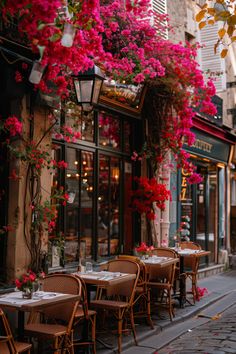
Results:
88 267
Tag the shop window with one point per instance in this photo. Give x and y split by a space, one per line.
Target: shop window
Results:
79 209
109 131
74 119
92 220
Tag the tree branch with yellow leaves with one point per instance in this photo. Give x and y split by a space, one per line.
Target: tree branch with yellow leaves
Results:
224 13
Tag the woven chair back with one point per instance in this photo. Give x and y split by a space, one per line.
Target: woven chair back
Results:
164 252
66 284
143 274
124 289
190 245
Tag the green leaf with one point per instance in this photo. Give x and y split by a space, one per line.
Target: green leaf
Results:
41 26
41 51
55 37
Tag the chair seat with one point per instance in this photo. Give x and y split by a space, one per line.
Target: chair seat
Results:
20 347
45 329
109 304
80 313
160 285
139 289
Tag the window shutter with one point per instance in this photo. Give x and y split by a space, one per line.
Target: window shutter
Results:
209 61
159 7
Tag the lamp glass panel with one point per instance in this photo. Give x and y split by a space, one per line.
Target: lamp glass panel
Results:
96 90
78 90
86 90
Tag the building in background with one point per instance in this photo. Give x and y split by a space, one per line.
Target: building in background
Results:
209 204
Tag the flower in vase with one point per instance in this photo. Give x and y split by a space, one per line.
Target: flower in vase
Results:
26 281
144 249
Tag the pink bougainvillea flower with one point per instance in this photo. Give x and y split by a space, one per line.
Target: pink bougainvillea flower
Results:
195 178
13 126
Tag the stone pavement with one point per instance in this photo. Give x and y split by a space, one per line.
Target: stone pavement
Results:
216 336
194 327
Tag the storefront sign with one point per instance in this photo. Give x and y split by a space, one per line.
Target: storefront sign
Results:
208 146
184 185
128 98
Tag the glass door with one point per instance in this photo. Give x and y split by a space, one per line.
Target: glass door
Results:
213 214
108 205
205 209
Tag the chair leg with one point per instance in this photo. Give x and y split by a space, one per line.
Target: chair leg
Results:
194 287
170 309
94 333
133 325
149 319
56 346
120 321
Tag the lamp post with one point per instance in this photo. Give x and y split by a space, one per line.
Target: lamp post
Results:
88 87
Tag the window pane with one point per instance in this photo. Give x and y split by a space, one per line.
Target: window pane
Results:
127 137
86 205
108 206
115 202
78 125
109 131
55 235
80 121
103 206
72 207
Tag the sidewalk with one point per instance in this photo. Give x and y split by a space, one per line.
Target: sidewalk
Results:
221 295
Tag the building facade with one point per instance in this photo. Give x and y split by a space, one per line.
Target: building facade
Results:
97 221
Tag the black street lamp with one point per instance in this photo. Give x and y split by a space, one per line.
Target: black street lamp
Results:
88 87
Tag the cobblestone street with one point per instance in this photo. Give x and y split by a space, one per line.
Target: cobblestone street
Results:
218 336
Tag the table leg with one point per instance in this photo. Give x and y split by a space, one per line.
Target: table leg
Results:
182 283
21 324
85 333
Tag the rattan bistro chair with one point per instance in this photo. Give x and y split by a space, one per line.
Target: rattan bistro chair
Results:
119 299
56 321
7 343
163 279
142 306
87 318
191 265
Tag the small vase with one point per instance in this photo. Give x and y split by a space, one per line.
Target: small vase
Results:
144 256
68 35
36 72
27 293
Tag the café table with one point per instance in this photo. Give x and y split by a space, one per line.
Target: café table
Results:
102 279
187 253
159 262
14 301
